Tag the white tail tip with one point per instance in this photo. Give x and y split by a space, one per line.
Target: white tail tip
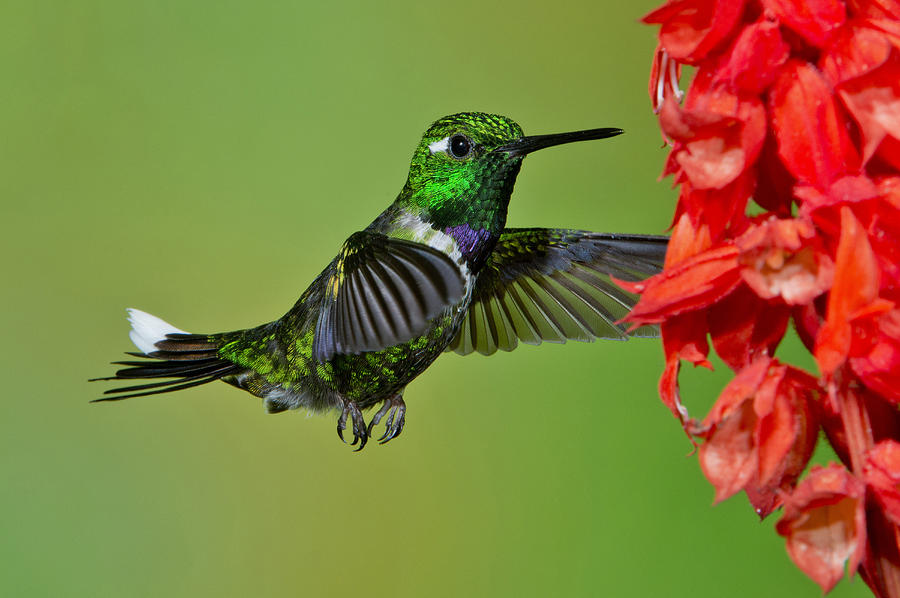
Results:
147 330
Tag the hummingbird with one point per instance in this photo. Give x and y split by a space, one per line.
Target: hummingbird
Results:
436 271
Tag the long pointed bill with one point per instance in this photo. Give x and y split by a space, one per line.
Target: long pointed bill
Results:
526 145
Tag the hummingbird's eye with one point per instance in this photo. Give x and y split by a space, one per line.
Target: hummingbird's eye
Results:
460 146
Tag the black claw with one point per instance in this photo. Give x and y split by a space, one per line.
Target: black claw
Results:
360 435
359 427
377 417
342 422
388 424
395 410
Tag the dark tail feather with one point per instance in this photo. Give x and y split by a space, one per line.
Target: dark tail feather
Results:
185 359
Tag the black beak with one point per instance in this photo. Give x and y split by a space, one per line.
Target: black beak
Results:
526 145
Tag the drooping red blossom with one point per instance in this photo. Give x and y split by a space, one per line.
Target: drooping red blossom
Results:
824 524
717 135
760 434
794 108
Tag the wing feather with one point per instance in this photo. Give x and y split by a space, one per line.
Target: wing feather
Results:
556 285
382 292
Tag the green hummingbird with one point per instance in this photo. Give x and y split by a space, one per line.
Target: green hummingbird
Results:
437 270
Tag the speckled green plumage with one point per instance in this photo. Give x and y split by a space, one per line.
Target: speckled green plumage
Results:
475 192
275 356
437 270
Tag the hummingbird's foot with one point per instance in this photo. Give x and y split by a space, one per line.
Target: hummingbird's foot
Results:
395 409
360 434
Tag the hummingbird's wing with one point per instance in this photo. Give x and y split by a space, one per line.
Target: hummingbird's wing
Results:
382 292
553 285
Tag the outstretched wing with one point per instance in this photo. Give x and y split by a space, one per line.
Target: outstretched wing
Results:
553 285
383 292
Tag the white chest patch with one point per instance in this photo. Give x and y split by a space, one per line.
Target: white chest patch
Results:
422 232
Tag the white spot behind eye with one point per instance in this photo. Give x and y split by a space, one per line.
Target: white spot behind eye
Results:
442 145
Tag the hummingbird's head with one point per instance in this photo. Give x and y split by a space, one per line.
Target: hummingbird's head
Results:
457 176
465 167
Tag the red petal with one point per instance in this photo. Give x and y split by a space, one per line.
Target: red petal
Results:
875 353
889 153
668 389
728 457
787 429
686 241
814 20
875 9
719 210
881 567
743 327
754 58
718 135
874 102
761 432
855 286
684 337
882 473
890 26
824 524
785 435
855 51
774 185
691 28
848 189
694 283
812 135
782 258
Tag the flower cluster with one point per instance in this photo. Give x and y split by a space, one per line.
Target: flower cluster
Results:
795 106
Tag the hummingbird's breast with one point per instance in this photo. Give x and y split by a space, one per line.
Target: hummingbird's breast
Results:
368 377
468 246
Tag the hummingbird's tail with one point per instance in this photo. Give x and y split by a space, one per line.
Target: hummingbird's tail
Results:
167 352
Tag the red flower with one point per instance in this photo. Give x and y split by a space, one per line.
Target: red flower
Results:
795 104
824 524
783 258
718 134
760 433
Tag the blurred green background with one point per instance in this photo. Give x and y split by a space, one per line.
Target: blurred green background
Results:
203 161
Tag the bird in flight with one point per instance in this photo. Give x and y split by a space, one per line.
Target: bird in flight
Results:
436 271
